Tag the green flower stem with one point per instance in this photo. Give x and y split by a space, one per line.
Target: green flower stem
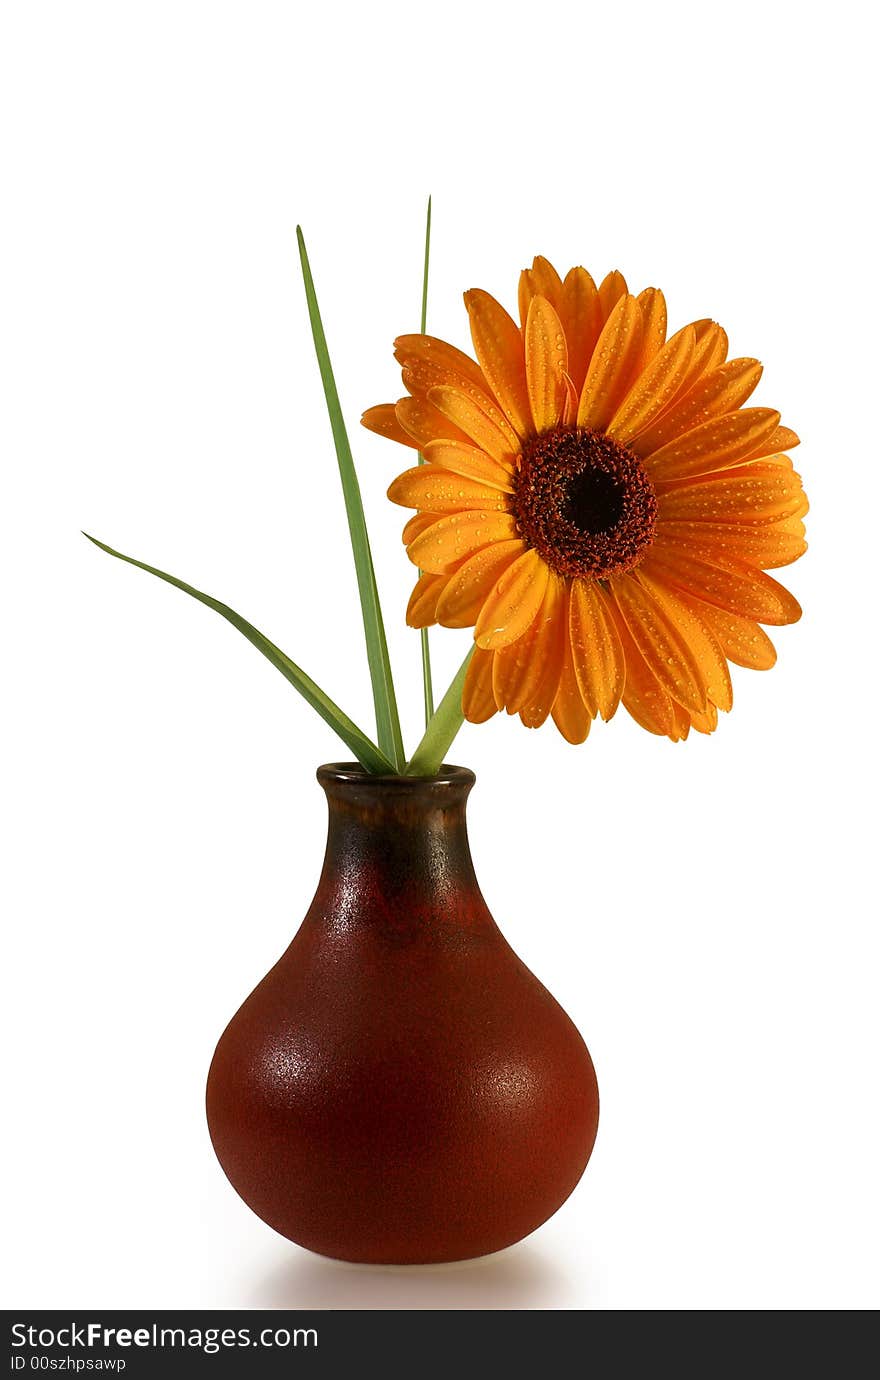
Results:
427 682
440 733
384 700
364 750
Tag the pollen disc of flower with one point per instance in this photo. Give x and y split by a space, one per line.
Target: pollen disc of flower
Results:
584 502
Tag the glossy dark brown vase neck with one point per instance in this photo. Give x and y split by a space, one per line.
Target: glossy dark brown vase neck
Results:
391 837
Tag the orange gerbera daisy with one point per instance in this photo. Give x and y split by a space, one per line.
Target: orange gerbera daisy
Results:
597 503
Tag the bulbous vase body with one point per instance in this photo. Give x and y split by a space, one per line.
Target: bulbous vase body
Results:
400 1089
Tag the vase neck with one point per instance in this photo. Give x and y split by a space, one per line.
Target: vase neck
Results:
397 843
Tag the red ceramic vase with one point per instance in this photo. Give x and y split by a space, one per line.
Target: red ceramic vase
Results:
400 1089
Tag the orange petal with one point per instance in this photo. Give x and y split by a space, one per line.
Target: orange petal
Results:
499 348
783 438
449 540
609 376
525 293
791 526
417 524
714 671
477 700
547 281
570 410
659 641
383 420
643 696
653 305
486 427
716 445
541 280
429 363
741 639
710 350
712 345
723 390
707 722
570 714
421 610
433 490
598 655
582 322
549 655
509 668
467 590
611 289
684 719
759 492
546 365
776 459
425 424
654 388
725 582
766 546
520 667
514 602
473 463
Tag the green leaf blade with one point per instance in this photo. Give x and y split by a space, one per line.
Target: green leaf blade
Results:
366 751
387 718
445 723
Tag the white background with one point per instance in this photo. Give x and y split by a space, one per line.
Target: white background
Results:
704 911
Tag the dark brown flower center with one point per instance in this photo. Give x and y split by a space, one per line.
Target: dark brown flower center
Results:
584 502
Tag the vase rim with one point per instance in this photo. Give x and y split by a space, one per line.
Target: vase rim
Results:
352 773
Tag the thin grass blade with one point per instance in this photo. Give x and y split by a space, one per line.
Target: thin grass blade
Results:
387 718
425 273
364 750
427 681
